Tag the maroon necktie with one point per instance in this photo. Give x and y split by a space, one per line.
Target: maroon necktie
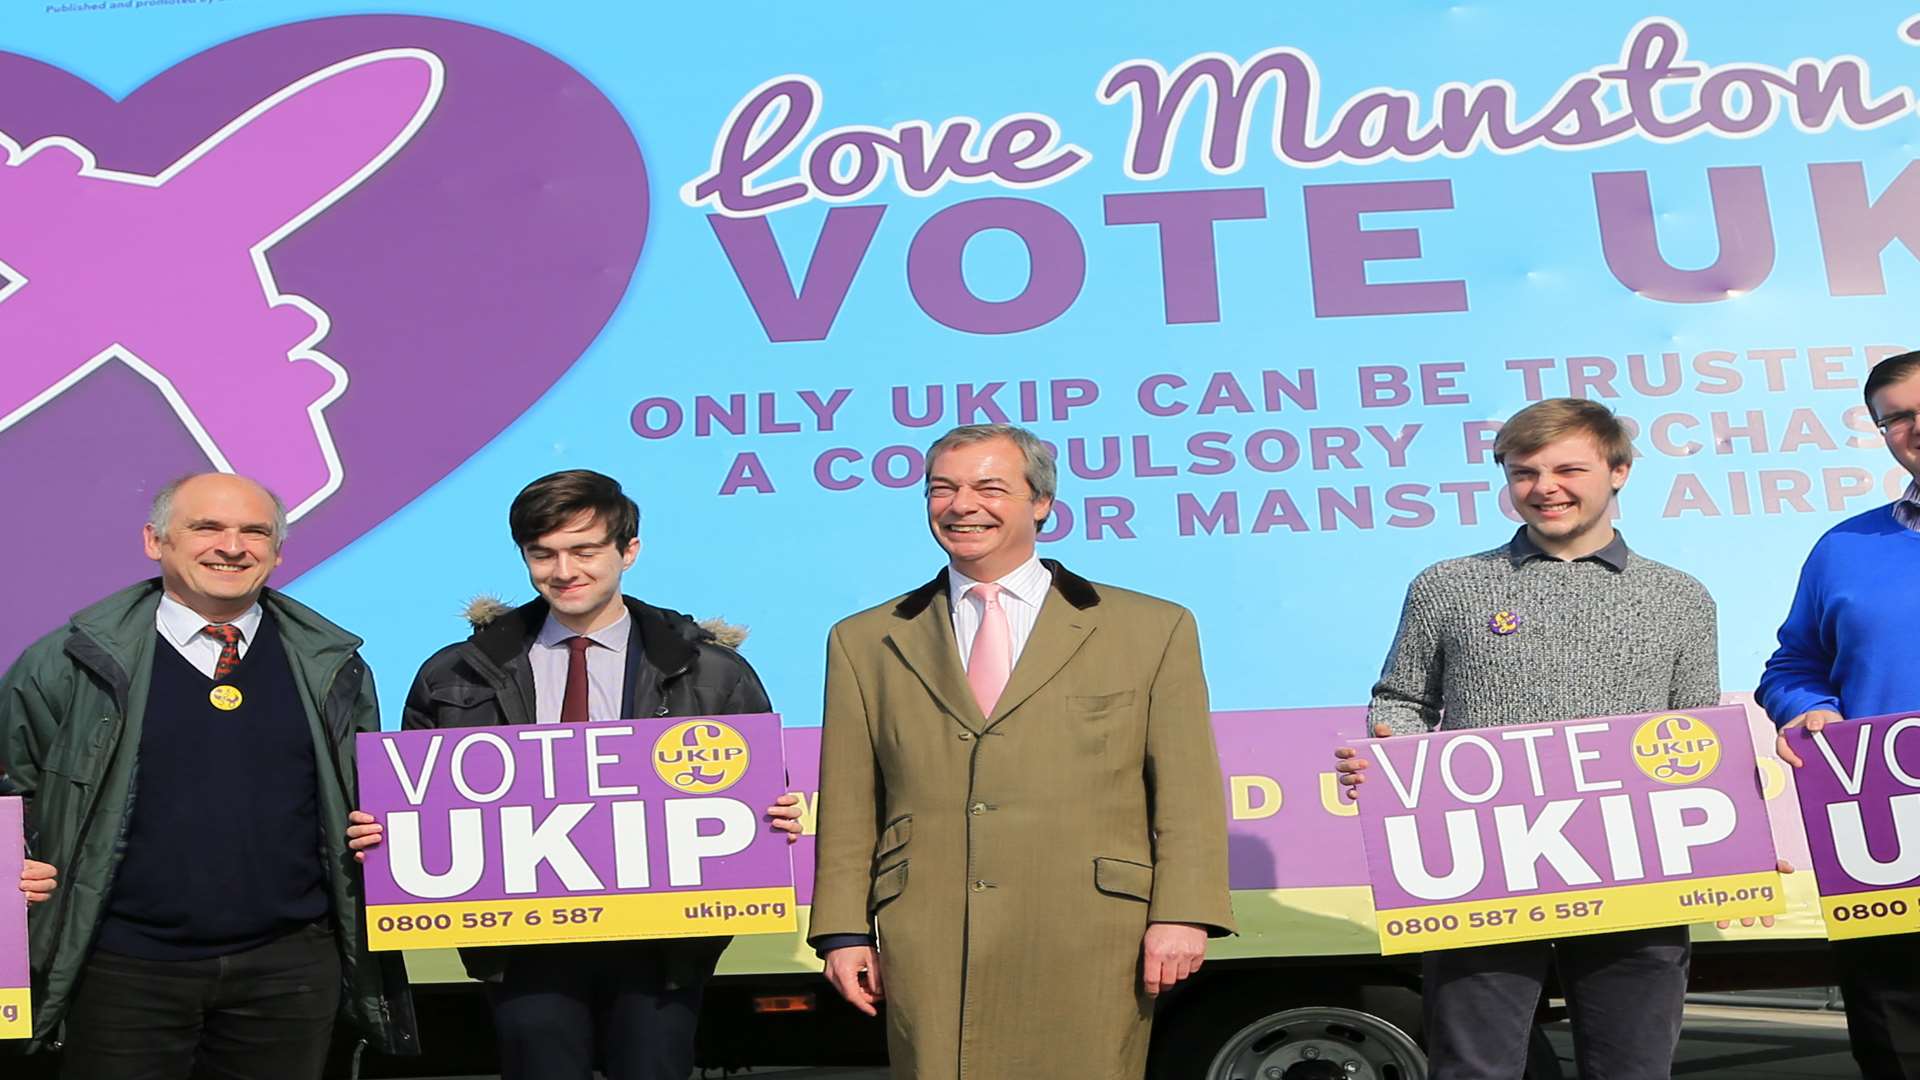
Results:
228 635
573 706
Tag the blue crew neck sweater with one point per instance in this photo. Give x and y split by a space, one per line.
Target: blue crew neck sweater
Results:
1847 644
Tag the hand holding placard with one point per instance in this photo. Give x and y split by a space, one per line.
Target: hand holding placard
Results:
38 880
1812 720
16 1020
1352 768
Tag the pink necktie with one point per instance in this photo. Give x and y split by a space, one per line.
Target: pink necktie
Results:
992 657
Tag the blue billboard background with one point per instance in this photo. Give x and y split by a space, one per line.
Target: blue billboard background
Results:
1181 422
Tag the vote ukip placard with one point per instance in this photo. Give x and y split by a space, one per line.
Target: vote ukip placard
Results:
1483 835
1860 795
16 1021
576 832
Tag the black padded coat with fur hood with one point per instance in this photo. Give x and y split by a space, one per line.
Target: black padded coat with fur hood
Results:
675 667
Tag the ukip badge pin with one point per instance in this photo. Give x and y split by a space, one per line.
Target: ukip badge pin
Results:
1504 622
225 698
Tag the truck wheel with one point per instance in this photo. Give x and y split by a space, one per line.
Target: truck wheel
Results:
1318 1043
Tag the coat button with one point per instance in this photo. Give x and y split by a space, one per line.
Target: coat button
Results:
966 736
977 809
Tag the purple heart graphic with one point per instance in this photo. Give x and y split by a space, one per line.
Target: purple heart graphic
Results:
340 255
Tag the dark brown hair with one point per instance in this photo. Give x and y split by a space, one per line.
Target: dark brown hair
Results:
555 500
1889 371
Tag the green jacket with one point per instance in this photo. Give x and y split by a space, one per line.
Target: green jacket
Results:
70 723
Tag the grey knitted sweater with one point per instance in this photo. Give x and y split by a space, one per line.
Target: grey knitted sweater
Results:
1491 639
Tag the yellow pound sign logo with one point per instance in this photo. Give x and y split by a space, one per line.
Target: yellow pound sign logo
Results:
225 698
700 757
1675 748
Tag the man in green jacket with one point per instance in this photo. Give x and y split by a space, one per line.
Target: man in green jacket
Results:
212 924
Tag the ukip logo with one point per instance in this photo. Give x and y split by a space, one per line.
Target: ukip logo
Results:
700 757
1675 748
169 273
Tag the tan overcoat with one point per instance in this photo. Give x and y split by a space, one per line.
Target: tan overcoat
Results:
1009 864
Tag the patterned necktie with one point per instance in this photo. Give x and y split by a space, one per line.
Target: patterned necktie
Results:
228 635
573 705
991 660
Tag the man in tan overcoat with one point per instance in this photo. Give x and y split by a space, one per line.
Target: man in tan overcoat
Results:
1022 831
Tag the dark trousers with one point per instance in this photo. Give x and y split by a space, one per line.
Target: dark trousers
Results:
1880 978
263 1013
561 1009
1625 991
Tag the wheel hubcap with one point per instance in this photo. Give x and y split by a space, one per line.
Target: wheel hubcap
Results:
1319 1043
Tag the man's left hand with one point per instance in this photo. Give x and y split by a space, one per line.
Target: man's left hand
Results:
784 815
1171 951
38 880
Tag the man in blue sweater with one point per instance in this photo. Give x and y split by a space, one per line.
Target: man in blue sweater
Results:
1846 650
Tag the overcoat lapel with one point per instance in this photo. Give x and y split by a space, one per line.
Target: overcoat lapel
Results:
924 639
1057 635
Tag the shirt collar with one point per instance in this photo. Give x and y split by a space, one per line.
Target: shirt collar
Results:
1522 550
1027 583
613 636
181 624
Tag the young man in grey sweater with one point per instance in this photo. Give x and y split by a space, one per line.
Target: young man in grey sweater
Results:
1561 622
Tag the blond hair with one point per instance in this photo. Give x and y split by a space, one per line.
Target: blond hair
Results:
1554 419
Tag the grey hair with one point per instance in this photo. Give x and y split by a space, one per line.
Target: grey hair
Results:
1042 475
160 514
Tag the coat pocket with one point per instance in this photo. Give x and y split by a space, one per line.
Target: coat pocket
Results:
893 838
463 705
1094 718
1094 706
1121 877
80 751
886 885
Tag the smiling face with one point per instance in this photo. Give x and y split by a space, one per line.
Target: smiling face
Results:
1895 406
217 546
1564 492
981 509
577 569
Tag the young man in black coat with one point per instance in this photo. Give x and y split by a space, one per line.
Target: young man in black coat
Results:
585 651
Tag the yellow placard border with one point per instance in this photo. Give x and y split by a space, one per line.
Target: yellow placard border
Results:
20 999
622 916
1623 907
1872 926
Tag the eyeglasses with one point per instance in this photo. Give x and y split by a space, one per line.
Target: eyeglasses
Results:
1895 423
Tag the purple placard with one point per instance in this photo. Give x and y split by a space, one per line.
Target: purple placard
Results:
1282 799
15 1019
1859 784
1278 768
803 779
1645 820
654 827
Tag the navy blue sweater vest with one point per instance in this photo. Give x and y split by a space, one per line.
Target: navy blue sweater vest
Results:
223 846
